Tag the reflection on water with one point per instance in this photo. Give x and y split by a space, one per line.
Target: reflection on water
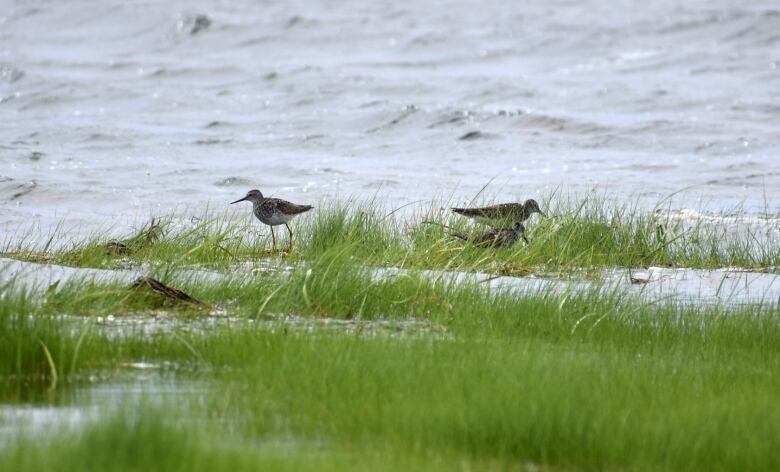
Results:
32 409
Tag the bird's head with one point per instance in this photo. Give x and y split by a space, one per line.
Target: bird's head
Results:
253 196
532 207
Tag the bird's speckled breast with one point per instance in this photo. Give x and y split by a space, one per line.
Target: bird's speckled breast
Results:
269 214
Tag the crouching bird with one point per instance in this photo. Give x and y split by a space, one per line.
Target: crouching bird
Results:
496 237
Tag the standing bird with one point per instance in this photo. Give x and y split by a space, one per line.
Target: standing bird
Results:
502 212
273 212
497 237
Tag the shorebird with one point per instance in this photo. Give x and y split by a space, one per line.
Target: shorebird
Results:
274 212
498 237
515 212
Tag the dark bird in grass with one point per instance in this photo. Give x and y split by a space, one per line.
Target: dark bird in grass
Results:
496 237
502 212
274 212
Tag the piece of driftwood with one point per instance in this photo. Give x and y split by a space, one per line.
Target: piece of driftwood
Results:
166 291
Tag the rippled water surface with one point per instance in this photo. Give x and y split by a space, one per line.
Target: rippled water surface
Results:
114 110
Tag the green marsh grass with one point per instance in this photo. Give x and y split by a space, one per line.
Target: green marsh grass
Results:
140 440
508 380
585 380
591 233
554 403
675 390
332 287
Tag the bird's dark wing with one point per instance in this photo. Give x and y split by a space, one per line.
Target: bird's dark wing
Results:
488 238
466 211
501 210
491 237
289 208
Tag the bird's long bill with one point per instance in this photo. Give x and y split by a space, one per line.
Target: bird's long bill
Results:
239 200
543 214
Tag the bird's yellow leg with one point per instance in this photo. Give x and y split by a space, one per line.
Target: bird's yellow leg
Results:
289 248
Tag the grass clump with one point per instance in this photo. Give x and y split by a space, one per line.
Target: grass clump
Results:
139 439
492 379
568 380
591 234
560 404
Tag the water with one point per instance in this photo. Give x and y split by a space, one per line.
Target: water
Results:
55 413
727 287
110 111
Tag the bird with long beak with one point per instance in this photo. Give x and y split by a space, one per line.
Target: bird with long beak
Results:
503 212
274 212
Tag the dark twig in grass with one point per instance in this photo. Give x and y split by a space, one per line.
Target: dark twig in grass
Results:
490 181
153 232
491 278
232 256
166 291
401 207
